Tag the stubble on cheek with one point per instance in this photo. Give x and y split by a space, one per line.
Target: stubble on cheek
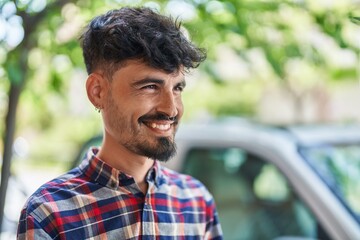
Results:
134 135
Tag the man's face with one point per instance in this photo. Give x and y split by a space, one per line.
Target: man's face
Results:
143 109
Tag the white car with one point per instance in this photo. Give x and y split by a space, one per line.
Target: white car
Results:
275 182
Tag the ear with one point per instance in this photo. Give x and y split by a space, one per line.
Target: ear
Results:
96 88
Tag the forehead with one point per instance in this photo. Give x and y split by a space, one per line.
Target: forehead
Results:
133 70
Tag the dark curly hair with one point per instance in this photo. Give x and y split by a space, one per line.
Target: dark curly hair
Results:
137 33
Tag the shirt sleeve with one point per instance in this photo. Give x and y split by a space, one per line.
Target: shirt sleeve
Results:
29 228
213 227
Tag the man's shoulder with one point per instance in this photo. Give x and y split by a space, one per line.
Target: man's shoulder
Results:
184 182
56 200
56 189
174 177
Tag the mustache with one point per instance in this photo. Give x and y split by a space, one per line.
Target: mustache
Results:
158 116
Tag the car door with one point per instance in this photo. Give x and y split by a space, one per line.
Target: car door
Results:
254 198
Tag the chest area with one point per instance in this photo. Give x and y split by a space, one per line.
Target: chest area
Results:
123 214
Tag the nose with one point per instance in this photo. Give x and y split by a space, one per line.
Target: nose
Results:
169 104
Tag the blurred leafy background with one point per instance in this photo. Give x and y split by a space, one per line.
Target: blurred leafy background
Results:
274 61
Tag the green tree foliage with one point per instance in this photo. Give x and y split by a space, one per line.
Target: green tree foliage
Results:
303 45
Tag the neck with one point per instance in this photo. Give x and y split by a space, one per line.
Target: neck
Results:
120 158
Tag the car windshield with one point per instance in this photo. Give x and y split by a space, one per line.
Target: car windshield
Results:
339 167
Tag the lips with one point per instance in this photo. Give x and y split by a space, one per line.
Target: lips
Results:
158 122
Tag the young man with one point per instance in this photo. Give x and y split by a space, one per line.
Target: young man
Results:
136 60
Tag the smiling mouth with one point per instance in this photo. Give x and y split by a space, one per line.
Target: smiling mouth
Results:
159 126
162 127
158 122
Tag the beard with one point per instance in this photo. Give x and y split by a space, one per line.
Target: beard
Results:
163 150
133 139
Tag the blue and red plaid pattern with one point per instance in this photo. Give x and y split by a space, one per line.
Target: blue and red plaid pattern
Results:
96 201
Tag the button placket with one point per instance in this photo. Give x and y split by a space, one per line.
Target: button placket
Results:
148 213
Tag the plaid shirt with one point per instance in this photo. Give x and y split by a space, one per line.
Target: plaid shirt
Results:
96 201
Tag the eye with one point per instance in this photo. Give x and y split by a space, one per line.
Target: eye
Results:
153 87
179 88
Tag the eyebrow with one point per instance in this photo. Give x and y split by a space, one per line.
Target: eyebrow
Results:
145 81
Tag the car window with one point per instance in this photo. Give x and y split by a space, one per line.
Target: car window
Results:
253 198
339 167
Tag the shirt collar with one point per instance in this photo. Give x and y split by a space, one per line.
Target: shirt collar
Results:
99 171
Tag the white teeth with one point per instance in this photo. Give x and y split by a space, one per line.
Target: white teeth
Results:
160 126
164 127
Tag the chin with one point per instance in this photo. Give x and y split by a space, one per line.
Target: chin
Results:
163 151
